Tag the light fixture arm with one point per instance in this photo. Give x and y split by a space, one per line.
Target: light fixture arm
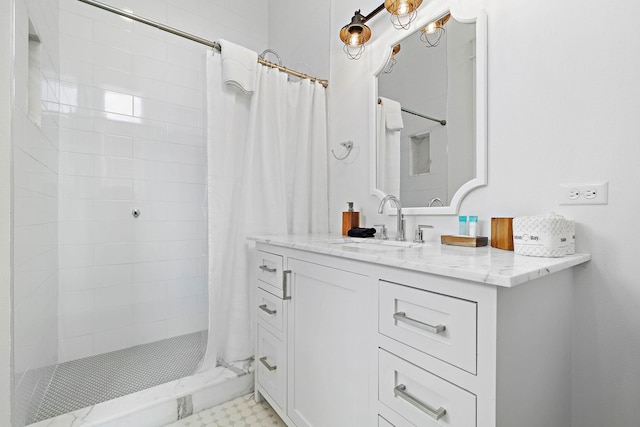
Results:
373 13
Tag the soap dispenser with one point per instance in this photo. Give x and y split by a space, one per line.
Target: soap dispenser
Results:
350 219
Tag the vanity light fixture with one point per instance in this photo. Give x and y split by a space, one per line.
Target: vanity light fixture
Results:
355 34
403 12
432 33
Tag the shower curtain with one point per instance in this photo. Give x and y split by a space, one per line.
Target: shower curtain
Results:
267 166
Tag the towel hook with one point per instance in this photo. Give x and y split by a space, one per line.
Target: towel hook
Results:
346 144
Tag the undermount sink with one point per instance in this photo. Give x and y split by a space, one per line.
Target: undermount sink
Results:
374 244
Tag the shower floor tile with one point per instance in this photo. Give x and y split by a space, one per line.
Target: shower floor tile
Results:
91 380
240 412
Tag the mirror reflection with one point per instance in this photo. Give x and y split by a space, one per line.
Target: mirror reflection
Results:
426 124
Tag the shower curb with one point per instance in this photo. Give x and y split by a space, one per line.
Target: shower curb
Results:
159 405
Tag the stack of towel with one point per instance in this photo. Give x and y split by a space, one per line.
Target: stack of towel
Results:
239 66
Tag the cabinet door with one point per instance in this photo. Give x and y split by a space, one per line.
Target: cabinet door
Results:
329 346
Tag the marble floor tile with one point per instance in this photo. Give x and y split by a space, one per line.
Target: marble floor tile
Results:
240 412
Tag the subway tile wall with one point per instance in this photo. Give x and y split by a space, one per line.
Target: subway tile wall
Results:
121 126
132 136
35 202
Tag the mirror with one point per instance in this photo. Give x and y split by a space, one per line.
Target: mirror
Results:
436 153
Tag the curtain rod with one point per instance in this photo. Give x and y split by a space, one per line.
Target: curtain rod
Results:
406 110
214 45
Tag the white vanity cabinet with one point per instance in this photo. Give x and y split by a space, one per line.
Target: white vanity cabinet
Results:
468 354
365 339
317 370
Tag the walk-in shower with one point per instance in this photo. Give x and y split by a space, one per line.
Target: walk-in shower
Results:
135 188
110 209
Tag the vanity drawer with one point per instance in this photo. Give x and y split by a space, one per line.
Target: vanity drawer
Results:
384 423
270 309
271 367
270 272
442 326
420 397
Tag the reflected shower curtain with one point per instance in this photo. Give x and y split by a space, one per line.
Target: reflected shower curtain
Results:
267 165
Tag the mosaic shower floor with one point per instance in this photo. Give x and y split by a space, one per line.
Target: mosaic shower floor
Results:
86 382
240 412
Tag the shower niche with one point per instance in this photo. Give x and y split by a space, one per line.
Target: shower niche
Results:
420 155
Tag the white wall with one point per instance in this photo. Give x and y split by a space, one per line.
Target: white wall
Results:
563 106
299 31
6 268
350 93
133 136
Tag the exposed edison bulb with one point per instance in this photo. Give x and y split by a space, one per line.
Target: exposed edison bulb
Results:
354 40
403 12
431 28
404 8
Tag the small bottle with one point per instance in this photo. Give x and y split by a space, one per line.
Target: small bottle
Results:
462 225
350 219
473 226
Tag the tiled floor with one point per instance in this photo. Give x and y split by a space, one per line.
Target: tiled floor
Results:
85 382
240 412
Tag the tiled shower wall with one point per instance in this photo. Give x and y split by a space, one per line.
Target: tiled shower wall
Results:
132 136
35 201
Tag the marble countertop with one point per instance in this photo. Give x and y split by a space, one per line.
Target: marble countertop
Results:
484 264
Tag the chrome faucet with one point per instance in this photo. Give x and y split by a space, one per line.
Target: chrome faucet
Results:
419 233
394 199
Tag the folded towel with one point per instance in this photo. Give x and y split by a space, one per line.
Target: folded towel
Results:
392 114
361 232
239 66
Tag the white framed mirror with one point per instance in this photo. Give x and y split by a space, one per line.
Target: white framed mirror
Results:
437 153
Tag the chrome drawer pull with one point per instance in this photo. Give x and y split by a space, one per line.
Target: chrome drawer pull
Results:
402 317
401 391
266 364
267 269
264 308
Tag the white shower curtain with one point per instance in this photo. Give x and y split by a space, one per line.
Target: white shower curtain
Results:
267 165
